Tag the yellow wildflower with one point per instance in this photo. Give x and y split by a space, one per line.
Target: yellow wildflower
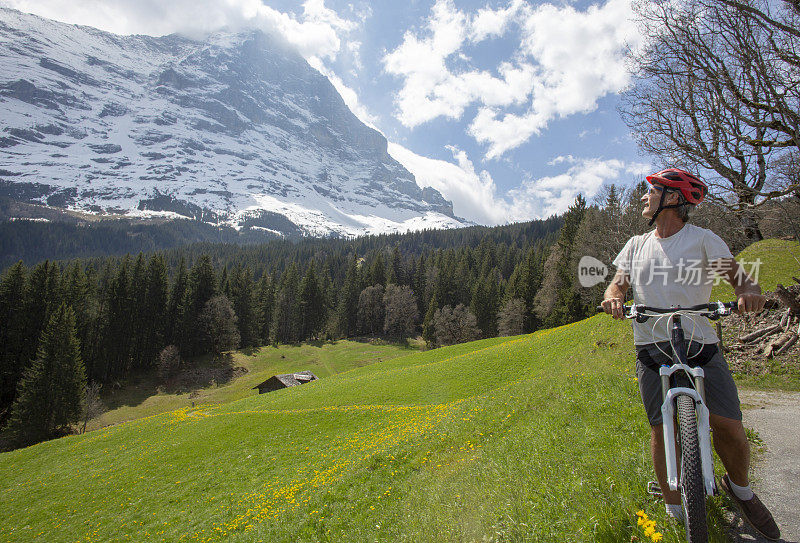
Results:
656 537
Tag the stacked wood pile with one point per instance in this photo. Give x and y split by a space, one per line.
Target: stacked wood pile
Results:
762 342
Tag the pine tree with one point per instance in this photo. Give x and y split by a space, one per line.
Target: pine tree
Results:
312 308
485 302
51 392
77 294
266 302
224 282
463 279
217 322
328 297
419 285
347 306
117 334
558 301
244 304
54 289
12 335
95 361
37 308
140 319
450 287
155 307
176 306
286 318
202 287
378 271
396 275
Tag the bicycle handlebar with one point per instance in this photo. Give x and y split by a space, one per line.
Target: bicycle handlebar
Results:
712 310
717 308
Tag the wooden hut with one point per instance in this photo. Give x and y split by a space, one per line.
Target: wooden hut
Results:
277 382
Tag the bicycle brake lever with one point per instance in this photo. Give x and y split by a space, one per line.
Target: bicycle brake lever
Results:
634 314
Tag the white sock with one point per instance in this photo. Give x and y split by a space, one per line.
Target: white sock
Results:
675 511
744 493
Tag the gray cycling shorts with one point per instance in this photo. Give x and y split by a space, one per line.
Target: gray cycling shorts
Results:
722 397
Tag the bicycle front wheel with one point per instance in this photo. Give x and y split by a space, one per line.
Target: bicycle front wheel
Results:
693 495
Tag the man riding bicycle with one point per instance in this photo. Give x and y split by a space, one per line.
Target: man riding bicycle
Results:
674 265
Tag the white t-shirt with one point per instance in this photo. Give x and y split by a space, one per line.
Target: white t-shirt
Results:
670 272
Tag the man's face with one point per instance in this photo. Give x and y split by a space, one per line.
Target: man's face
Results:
651 199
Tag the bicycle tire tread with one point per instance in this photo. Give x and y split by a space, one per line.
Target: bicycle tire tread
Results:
692 486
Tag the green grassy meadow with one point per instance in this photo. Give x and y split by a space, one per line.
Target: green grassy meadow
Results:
533 438
143 397
779 261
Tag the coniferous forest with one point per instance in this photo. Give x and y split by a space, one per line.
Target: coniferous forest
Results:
116 317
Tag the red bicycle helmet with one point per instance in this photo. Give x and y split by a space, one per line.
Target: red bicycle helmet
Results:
692 188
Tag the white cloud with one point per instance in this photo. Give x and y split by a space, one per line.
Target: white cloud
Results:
593 132
431 90
318 32
561 158
565 62
427 92
474 194
489 23
545 196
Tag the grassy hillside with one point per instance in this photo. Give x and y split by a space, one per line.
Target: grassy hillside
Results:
533 438
775 260
779 261
145 397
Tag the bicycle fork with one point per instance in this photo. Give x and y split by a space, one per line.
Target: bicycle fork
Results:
703 427
669 395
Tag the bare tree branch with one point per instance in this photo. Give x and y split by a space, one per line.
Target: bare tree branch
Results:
716 90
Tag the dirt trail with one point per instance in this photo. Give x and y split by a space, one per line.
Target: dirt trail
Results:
775 416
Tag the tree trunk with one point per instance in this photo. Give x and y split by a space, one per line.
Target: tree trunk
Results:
749 220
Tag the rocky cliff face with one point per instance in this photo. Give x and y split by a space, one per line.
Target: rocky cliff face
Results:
237 128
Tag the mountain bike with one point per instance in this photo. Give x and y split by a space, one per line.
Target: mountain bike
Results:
683 394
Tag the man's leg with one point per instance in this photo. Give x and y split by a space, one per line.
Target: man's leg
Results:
731 445
660 465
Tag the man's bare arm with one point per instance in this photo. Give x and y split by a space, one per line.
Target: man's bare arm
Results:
747 291
614 296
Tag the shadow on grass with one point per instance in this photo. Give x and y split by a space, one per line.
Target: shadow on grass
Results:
200 373
409 344
318 343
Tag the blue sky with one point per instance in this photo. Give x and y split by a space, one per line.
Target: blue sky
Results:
508 108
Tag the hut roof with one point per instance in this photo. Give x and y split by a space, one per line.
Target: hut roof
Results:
291 379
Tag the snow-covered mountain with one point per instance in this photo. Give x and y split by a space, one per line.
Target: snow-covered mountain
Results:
236 129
